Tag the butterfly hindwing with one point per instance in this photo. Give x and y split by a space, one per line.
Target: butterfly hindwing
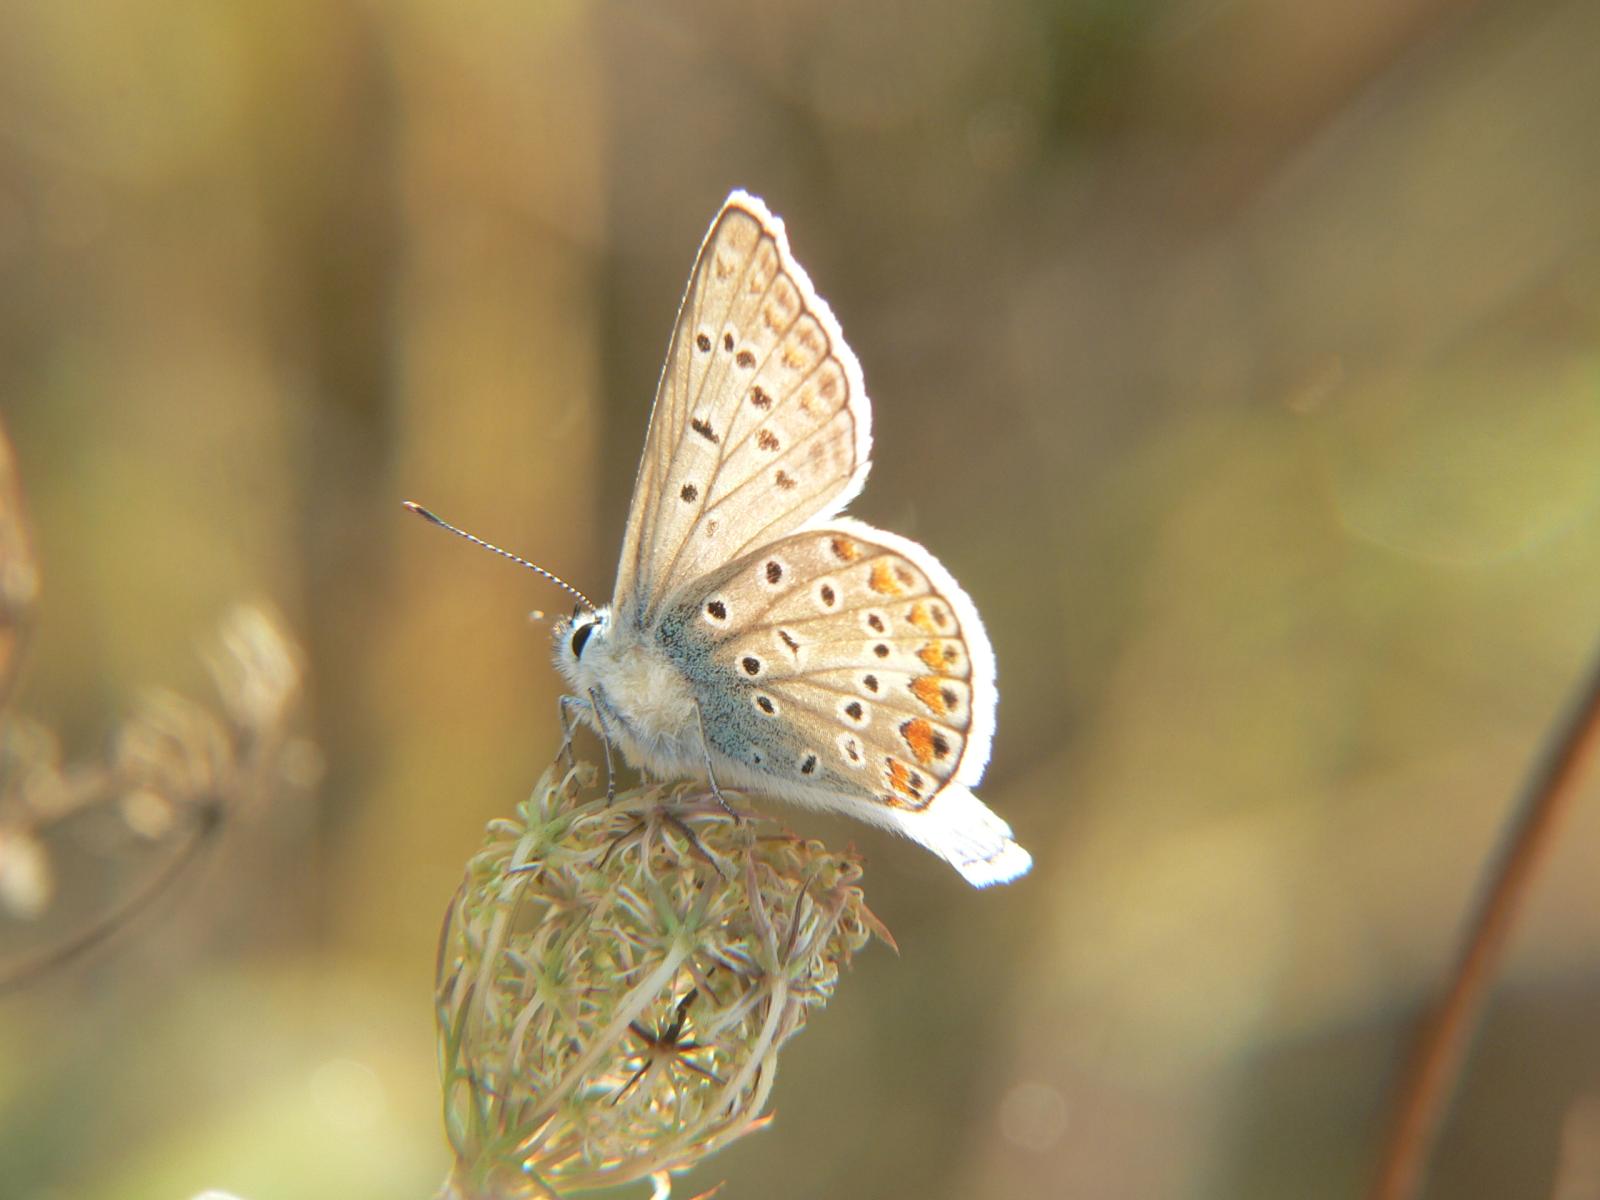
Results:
761 422
855 648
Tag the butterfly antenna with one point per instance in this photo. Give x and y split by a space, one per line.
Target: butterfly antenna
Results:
516 558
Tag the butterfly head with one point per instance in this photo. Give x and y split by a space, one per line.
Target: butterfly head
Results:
576 636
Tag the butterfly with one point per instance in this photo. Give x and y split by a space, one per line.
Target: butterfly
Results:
755 638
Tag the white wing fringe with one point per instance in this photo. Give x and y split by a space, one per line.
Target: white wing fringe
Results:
966 833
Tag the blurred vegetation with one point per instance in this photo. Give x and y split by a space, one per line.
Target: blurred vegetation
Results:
1241 359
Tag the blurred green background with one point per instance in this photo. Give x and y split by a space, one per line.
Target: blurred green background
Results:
1242 360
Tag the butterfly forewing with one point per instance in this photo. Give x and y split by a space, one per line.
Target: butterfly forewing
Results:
760 424
861 665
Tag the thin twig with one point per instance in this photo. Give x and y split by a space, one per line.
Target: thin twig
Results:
1436 1061
15 977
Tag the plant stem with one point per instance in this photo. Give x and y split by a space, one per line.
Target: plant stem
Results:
1436 1060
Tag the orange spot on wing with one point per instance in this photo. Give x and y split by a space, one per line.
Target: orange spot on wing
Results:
919 735
883 580
905 782
930 691
921 617
899 777
939 656
844 549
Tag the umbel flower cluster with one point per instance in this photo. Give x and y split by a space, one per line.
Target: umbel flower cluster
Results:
615 981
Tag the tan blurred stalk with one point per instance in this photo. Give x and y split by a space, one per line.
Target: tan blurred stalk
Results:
1422 1100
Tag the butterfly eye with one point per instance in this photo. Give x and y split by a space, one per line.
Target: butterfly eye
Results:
580 638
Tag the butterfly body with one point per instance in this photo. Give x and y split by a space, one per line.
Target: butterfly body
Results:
803 654
642 696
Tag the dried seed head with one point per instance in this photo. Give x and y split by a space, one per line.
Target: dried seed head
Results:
615 982
178 770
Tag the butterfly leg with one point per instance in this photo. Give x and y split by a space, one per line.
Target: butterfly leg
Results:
711 776
605 740
568 726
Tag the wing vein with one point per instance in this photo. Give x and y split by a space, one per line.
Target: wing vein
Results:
800 383
760 534
778 599
875 702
